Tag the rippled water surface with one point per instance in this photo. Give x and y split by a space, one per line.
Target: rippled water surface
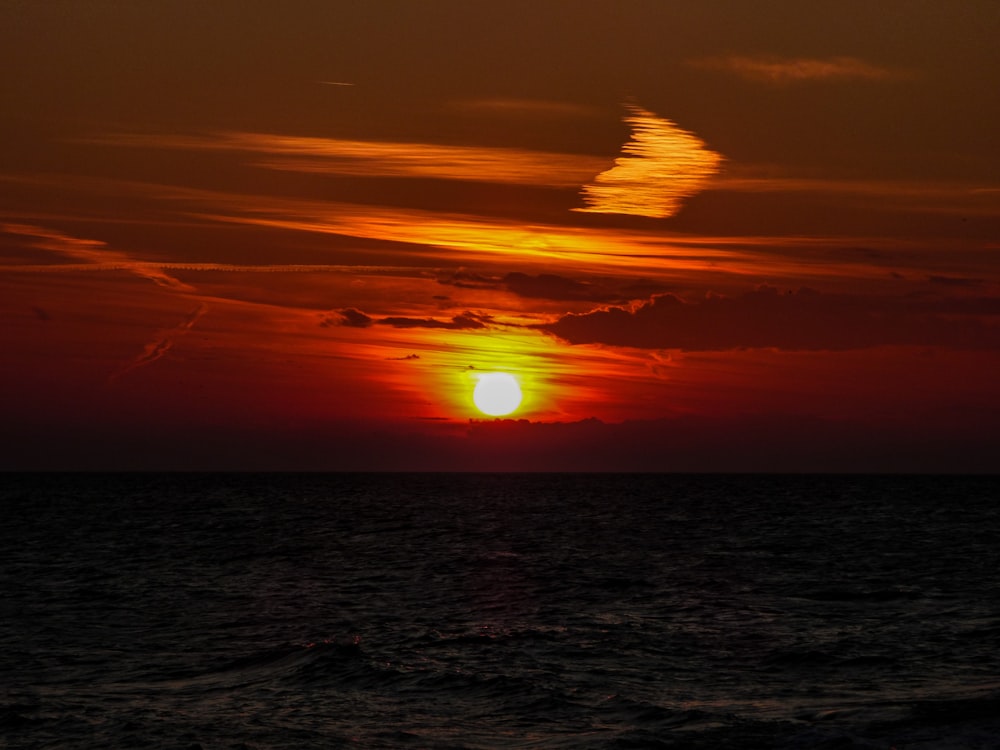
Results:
490 611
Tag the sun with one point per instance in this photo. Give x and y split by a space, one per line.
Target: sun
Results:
497 394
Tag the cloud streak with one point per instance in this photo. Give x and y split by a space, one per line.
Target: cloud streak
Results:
362 158
161 344
94 253
465 240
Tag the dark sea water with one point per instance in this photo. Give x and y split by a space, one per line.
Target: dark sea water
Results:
499 611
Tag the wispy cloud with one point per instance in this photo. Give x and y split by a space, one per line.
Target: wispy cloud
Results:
383 158
660 166
465 240
94 253
787 70
161 344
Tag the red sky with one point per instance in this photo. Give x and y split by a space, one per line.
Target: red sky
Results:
715 236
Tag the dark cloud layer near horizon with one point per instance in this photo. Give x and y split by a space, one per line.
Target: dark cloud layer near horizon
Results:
800 320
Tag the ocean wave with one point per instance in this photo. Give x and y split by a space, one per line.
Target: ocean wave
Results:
508 612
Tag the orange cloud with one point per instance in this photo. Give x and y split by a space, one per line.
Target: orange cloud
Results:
383 158
464 239
660 166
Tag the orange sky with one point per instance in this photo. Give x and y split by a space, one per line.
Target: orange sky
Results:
714 236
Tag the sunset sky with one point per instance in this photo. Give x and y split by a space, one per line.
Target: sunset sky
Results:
702 236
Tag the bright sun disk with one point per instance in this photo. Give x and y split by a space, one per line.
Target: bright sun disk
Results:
497 394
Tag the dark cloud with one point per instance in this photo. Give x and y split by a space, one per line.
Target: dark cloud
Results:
765 318
404 359
352 318
41 314
464 321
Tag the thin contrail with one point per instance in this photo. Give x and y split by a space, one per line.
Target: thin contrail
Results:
160 345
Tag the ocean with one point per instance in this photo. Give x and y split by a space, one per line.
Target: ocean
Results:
251 611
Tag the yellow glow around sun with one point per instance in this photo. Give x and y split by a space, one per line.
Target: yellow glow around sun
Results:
497 394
